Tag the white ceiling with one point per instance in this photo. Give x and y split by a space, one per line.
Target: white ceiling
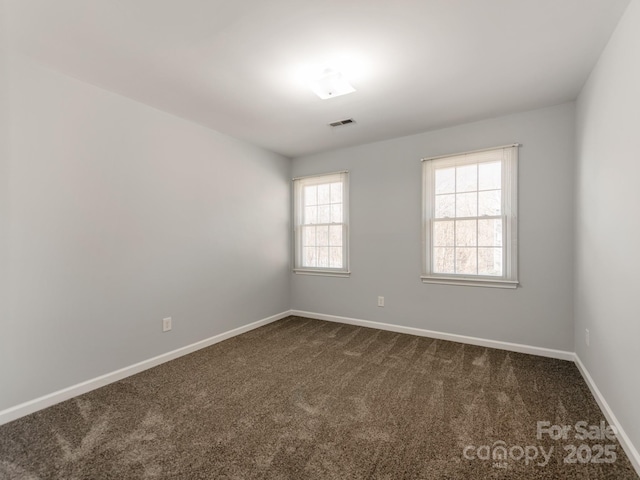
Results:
234 65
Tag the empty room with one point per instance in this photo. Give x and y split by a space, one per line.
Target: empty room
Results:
356 240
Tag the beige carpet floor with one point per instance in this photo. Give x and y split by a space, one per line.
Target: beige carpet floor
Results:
308 399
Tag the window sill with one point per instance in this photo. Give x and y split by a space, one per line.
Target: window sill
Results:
323 273
471 282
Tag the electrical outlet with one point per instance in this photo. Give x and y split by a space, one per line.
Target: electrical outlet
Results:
166 324
587 338
381 301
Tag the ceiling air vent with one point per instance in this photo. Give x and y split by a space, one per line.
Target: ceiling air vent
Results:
340 123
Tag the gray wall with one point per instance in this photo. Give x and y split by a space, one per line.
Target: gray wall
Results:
385 211
608 222
121 215
4 193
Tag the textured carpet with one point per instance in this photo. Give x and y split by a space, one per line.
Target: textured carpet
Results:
307 399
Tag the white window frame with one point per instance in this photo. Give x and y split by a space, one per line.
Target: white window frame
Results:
509 199
298 222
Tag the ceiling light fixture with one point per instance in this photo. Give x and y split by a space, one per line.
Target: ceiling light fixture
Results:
331 84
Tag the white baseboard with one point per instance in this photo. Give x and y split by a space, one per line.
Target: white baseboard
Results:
45 401
623 438
513 347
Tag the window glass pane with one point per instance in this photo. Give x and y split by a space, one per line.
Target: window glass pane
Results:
466 233
466 261
443 260
490 261
336 213
309 236
309 257
443 233
310 215
465 223
336 193
445 206
467 178
490 176
467 204
321 239
335 257
489 203
322 236
324 214
324 194
323 257
446 180
335 235
310 195
490 233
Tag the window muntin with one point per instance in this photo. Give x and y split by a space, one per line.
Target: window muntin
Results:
321 226
470 216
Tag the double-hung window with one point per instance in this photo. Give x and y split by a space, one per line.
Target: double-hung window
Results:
470 218
321 226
